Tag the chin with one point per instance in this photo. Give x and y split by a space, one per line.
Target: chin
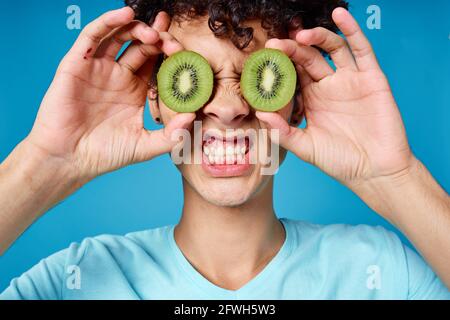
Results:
223 191
226 192
229 201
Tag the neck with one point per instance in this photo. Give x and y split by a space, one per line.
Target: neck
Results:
229 245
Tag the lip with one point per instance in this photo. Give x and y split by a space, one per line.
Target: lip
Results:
227 170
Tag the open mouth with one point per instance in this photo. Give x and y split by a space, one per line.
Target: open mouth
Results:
226 156
226 151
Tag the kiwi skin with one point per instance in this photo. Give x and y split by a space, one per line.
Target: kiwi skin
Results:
201 79
285 81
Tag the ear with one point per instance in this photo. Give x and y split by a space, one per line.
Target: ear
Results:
152 95
298 111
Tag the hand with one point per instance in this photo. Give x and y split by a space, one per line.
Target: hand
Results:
92 114
354 129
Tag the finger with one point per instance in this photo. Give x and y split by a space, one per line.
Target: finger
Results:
305 78
87 43
158 142
169 45
144 58
360 46
111 45
307 57
331 43
162 22
137 54
292 139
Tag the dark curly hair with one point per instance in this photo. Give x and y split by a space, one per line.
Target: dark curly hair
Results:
226 17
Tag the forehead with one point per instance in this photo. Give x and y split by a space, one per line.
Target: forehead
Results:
221 53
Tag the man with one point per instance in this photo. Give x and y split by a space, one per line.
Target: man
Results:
229 243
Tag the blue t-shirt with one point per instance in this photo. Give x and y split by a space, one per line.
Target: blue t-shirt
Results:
315 262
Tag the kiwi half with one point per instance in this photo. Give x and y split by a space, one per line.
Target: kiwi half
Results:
268 80
185 81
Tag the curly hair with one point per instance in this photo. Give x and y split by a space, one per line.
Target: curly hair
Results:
226 17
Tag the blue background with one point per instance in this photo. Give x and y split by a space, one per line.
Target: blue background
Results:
413 47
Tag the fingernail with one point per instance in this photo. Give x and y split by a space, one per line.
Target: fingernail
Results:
125 9
302 34
271 42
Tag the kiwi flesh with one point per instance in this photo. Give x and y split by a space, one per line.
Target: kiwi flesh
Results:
268 80
185 81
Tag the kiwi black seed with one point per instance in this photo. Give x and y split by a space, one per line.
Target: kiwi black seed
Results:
185 81
268 80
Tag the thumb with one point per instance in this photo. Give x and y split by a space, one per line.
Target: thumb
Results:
155 143
292 139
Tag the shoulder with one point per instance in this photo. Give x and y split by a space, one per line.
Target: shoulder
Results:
42 282
371 255
145 242
368 243
354 237
355 244
354 258
99 259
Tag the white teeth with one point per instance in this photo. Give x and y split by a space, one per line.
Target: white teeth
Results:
231 159
220 151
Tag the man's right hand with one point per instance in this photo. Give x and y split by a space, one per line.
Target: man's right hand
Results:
92 115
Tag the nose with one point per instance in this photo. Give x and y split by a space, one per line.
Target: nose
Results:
227 109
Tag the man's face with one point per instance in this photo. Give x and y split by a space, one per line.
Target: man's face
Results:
220 183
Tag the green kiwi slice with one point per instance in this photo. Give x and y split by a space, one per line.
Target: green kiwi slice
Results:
268 80
185 81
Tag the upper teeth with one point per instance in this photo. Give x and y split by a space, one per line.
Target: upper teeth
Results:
220 154
221 151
